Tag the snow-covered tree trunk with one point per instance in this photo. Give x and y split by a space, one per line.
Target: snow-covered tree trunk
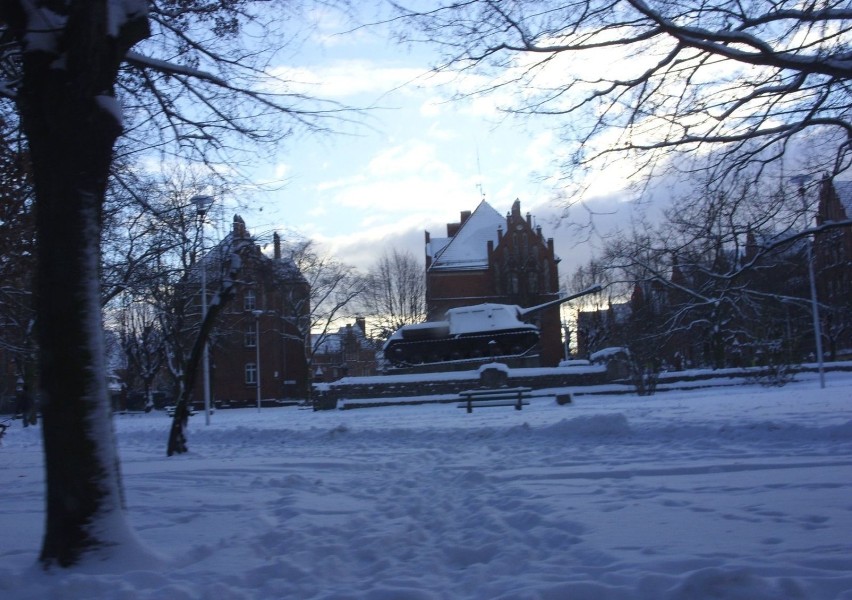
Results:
71 54
189 368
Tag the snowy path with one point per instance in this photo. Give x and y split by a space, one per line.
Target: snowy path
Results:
741 493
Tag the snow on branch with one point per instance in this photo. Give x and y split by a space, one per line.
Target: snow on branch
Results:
141 61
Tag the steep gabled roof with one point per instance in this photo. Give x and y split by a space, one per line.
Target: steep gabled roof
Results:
239 240
468 249
844 193
334 342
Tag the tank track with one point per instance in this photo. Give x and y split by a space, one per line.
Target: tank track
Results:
440 350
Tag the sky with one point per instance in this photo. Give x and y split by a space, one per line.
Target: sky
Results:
413 162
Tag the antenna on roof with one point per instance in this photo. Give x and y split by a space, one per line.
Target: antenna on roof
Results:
479 172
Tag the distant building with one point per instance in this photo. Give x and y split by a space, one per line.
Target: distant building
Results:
487 257
833 264
262 321
346 353
597 329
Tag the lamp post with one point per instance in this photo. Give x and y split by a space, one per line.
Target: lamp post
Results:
257 314
801 180
202 205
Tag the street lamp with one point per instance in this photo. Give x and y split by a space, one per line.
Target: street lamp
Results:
202 205
801 180
257 314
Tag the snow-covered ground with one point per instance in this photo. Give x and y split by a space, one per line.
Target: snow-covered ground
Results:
735 493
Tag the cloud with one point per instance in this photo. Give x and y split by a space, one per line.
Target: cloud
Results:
346 79
442 133
412 156
540 152
401 178
325 186
333 28
282 170
433 106
362 247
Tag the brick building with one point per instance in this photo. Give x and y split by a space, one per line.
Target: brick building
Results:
833 263
783 327
262 321
487 257
346 353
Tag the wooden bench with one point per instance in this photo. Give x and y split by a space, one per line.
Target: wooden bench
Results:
485 397
170 411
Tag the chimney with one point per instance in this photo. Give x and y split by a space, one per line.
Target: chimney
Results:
465 215
361 322
239 227
276 244
516 208
452 229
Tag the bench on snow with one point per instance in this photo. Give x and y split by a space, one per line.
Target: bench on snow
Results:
485 397
170 411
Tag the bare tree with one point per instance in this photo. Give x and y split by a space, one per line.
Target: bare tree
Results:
17 264
187 82
331 289
395 293
187 331
143 343
594 323
727 85
712 286
153 267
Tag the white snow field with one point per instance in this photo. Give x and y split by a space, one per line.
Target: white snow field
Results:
734 493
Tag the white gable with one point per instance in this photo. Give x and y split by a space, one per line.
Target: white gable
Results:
468 249
844 193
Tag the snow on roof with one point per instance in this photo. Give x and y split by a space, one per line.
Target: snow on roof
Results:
468 249
327 344
844 193
435 246
287 270
334 342
608 353
284 268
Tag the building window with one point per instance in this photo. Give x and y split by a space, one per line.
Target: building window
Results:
251 374
532 280
251 336
249 301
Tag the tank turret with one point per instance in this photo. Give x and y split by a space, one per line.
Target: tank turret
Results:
471 332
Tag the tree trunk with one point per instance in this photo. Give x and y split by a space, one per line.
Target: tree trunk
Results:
65 101
71 145
177 443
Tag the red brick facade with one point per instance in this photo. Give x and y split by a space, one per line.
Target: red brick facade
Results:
488 258
347 353
260 317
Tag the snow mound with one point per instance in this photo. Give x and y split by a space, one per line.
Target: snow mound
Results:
592 426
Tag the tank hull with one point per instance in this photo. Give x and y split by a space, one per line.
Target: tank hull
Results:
503 344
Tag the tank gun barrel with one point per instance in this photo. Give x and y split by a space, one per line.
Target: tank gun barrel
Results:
524 312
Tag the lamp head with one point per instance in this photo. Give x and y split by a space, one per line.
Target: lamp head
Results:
202 204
